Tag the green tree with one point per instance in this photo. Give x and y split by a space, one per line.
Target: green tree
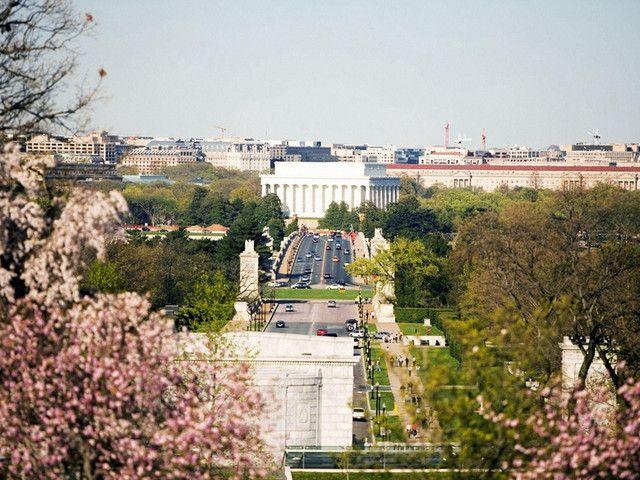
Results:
409 219
339 217
104 277
292 227
152 204
208 307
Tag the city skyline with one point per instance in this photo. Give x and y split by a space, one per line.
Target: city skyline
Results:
530 74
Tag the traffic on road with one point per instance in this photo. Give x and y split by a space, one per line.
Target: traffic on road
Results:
320 262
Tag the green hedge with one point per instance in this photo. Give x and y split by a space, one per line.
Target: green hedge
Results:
417 315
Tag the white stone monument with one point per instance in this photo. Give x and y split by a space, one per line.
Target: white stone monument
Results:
306 381
249 273
385 291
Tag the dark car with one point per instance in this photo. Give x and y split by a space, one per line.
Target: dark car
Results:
280 324
326 276
330 334
346 251
341 283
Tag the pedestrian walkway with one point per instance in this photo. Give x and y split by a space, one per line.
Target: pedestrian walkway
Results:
400 377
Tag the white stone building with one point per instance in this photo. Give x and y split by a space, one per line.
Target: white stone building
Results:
306 189
109 148
151 160
246 154
307 383
489 177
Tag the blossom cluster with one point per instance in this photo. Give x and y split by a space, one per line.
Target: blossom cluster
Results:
89 386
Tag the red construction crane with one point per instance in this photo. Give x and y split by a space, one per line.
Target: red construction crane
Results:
222 130
484 139
446 135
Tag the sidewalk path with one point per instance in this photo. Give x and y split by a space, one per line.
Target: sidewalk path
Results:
399 376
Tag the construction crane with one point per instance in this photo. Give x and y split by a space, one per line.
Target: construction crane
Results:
595 134
484 139
446 135
222 130
461 139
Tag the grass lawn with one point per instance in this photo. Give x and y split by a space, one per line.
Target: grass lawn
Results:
430 358
418 329
316 294
382 376
387 399
394 424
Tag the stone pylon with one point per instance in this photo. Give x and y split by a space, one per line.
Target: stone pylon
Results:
384 292
249 273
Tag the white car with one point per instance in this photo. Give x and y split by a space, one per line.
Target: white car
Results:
357 334
359 414
333 286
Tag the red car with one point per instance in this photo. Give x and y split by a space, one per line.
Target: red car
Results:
321 332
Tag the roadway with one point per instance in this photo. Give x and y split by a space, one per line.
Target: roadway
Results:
315 259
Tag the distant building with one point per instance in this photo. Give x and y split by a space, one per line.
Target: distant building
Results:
83 172
581 153
364 153
512 155
247 154
437 155
409 155
307 189
212 232
109 148
151 160
489 177
287 152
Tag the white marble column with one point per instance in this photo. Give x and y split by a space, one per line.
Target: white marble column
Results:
294 198
323 198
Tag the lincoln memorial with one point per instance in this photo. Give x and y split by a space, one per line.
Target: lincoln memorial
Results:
306 189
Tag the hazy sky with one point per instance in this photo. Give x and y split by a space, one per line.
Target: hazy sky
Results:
376 72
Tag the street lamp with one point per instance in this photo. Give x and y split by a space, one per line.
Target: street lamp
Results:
384 420
371 377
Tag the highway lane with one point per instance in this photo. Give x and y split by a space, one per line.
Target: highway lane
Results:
306 268
310 315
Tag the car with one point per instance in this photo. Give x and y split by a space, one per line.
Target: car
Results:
330 334
304 279
350 320
358 333
359 414
278 283
300 286
299 259
280 324
341 283
335 259
333 286
330 239
317 258
288 308
309 255
328 247
326 276
346 251
381 335
332 304
321 332
346 264
338 246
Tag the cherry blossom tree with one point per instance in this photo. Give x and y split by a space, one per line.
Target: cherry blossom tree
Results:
593 440
89 386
